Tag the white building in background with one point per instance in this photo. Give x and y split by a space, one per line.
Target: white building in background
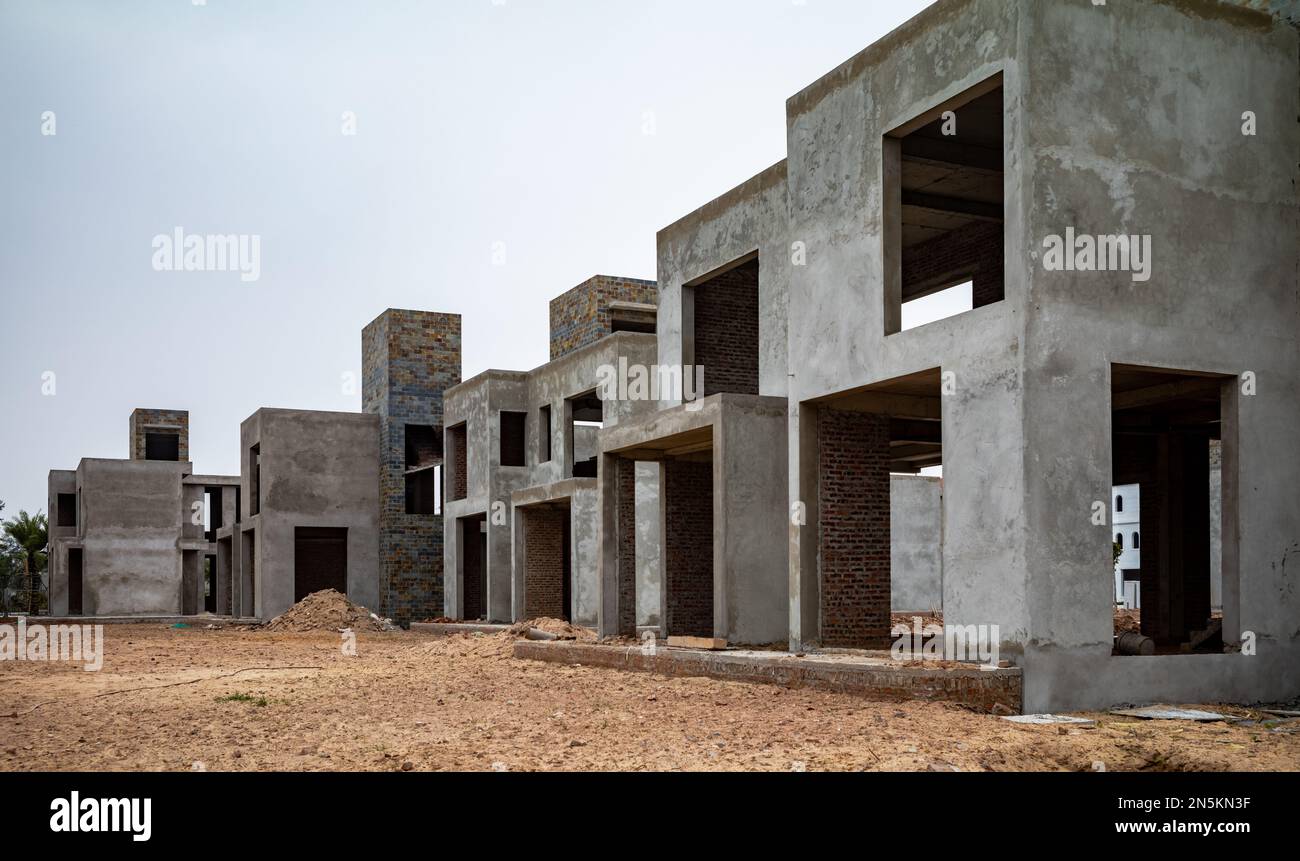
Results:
1126 507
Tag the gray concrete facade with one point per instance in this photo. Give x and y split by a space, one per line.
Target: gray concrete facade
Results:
129 537
916 551
493 490
1026 435
306 470
741 439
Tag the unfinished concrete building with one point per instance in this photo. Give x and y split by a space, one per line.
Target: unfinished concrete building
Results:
960 153
349 501
522 462
1105 194
1059 382
137 537
310 496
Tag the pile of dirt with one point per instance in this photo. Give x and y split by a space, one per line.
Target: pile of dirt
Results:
328 611
560 628
908 620
1128 621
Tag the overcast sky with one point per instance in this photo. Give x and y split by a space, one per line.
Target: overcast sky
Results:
569 131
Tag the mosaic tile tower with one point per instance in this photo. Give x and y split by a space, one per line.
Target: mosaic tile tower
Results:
146 422
409 359
582 315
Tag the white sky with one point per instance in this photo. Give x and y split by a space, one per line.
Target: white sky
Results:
477 123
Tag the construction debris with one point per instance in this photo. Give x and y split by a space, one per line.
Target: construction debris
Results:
710 644
1044 720
550 629
1168 713
328 611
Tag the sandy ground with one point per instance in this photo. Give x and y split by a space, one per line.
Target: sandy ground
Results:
413 702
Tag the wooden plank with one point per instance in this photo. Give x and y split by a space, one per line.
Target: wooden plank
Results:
711 644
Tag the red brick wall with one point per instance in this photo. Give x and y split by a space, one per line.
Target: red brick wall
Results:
458 442
688 552
726 331
626 547
544 564
472 556
853 505
974 252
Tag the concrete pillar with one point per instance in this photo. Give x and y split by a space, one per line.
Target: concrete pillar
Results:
607 574
649 571
805 584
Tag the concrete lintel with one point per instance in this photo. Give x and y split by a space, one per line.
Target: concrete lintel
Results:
666 428
553 492
212 480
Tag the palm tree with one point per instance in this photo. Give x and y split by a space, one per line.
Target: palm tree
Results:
8 573
31 534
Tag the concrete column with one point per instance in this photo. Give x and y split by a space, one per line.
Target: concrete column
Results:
221 577
607 618
805 586
518 565
649 572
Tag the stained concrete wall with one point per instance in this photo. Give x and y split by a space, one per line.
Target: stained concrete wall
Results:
318 469
478 403
129 530
748 220
749 512
838 312
916 543
1026 437
1161 154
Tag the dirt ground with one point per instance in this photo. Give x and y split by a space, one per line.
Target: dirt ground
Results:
244 700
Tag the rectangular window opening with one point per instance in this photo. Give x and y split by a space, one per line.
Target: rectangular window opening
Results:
586 414
720 330
423 470
162 445
457 468
544 434
944 212
67 515
255 478
513 434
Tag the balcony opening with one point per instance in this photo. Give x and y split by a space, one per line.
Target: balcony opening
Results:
720 324
943 217
423 470
586 414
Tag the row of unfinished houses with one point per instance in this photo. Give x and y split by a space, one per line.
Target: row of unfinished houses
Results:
746 449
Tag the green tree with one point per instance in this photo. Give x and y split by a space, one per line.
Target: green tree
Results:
31 534
9 568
